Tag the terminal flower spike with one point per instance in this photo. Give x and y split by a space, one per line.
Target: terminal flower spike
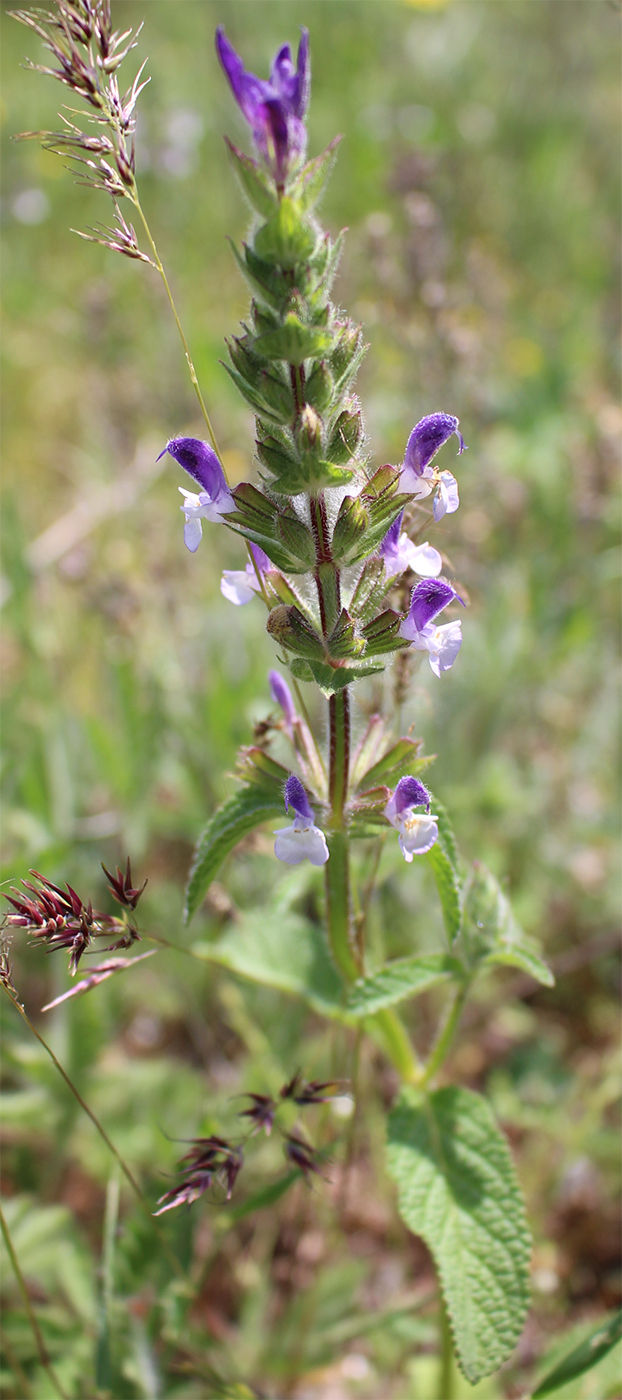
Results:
302 840
274 110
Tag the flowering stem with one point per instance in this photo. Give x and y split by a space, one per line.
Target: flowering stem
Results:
43 1356
338 866
446 1036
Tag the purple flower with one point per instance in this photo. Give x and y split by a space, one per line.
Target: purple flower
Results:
282 696
428 599
241 585
418 474
302 840
274 110
399 553
214 499
418 831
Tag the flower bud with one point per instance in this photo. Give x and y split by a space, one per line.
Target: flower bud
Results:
297 538
290 629
319 387
346 436
350 527
309 431
347 353
343 641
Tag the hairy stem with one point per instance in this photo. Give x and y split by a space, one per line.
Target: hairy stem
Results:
446 1036
43 1356
338 867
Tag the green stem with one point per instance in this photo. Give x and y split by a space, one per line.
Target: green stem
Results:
43 1356
103 1134
394 1038
445 1039
191 369
338 866
447 1371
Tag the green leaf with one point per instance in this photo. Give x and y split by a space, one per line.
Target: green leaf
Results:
491 934
446 837
458 1190
314 175
267 1196
398 761
583 1357
448 886
244 811
404 978
281 950
253 181
330 681
445 863
527 960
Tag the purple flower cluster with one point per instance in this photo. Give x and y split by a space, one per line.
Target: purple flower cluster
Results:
275 110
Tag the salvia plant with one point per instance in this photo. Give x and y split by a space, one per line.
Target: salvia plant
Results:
340 558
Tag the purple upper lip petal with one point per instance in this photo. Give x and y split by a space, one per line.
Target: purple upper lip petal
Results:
296 798
199 460
410 793
427 437
428 599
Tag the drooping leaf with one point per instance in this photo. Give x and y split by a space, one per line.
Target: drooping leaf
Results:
583 1357
331 681
253 181
406 977
314 175
457 1188
239 815
281 950
490 932
527 960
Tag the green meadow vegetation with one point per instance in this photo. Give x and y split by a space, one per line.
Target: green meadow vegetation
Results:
477 180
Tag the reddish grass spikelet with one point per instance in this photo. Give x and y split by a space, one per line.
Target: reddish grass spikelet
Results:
261 1113
302 1155
121 887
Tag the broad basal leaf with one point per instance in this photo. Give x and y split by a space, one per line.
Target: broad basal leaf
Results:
241 814
281 950
457 1188
583 1357
404 978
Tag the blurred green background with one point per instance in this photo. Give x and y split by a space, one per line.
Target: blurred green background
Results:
477 178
